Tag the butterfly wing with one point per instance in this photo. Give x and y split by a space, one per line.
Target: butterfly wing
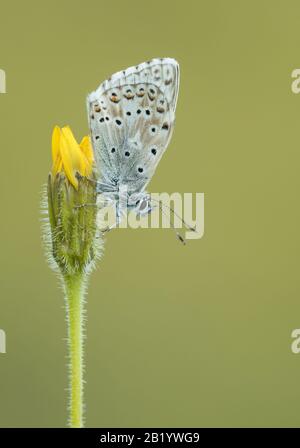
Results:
131 118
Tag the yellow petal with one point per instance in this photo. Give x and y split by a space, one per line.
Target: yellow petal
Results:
87 150
72 158
55 143
57 166
56 157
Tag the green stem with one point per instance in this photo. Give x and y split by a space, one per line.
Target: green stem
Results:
74 289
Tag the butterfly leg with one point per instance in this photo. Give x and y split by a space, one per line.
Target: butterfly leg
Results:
86 205
101 187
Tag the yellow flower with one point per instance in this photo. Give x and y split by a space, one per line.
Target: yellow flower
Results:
72 235
69 156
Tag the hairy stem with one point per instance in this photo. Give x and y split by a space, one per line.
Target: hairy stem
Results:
74 289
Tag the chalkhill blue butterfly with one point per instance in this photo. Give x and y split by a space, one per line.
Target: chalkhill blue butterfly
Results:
131 118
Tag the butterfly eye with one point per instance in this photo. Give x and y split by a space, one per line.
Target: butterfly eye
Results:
143 205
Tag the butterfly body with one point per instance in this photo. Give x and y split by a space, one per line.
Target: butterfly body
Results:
131 118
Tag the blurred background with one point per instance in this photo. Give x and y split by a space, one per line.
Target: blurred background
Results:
177 336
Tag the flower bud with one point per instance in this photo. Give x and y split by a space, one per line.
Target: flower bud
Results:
73 239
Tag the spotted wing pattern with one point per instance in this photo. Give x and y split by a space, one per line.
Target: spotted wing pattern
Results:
131 117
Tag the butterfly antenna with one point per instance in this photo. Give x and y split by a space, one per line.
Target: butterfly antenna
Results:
193 229
178 235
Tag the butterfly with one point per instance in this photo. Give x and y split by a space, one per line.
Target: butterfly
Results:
131 118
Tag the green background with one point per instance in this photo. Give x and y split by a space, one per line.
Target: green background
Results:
177 336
